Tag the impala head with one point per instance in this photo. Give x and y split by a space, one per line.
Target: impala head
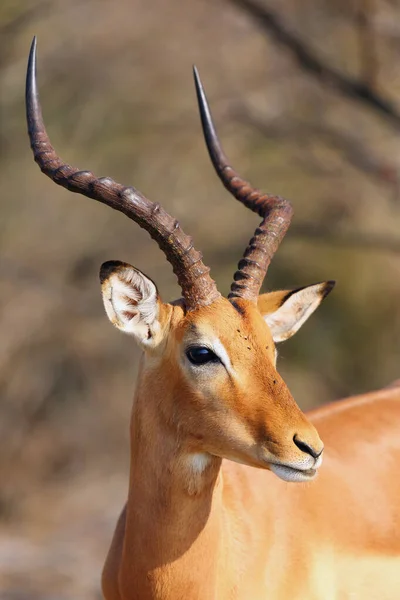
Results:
209 361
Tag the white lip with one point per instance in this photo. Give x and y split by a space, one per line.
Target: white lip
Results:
291 474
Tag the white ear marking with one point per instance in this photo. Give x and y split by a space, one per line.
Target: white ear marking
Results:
131 300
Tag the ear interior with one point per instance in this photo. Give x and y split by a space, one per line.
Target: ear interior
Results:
286 311
131 300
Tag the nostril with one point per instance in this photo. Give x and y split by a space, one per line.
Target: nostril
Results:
304 447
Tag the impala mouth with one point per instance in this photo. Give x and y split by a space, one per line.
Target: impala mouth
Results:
292 474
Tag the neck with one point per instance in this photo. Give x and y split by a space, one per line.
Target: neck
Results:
174 511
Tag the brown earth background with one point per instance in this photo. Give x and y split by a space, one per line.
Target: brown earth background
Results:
118 98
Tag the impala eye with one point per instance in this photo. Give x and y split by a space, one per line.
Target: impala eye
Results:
200 355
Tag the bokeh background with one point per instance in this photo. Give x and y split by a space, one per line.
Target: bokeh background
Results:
306 96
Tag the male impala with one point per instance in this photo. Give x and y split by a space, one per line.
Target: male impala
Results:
197 525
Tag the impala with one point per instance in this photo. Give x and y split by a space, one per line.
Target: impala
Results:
200 521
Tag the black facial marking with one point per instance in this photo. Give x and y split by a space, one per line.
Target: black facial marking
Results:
240 309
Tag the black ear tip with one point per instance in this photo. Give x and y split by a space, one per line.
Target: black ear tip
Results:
108 268
329 285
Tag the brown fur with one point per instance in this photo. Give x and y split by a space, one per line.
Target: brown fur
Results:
234 532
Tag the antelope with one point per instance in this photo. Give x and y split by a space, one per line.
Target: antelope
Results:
215 433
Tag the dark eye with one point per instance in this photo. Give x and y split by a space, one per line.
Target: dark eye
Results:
200 355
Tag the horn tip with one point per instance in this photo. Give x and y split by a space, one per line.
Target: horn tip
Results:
32 53
32 62
197 81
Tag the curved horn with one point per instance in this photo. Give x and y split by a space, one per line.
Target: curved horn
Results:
198 288
275 211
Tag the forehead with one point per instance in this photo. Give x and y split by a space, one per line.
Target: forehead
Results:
242 325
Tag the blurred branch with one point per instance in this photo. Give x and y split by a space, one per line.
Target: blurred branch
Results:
10 29
322 234
360 91
355 240
356 152
367 42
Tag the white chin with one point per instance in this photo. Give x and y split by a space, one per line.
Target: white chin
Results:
290 474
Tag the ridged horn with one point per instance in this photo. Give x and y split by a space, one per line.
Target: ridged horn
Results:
198 288
276 212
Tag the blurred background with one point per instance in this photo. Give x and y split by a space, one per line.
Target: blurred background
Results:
306 96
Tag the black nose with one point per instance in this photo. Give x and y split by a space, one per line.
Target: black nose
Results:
304 447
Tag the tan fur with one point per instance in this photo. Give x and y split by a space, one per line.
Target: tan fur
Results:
197 526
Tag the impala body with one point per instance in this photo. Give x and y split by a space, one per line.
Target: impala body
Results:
224 500
247 534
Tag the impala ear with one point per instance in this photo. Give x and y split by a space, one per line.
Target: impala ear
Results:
286 311
132 302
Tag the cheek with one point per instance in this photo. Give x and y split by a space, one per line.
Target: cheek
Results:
216 389
222 411
204 384
209 397
212 411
